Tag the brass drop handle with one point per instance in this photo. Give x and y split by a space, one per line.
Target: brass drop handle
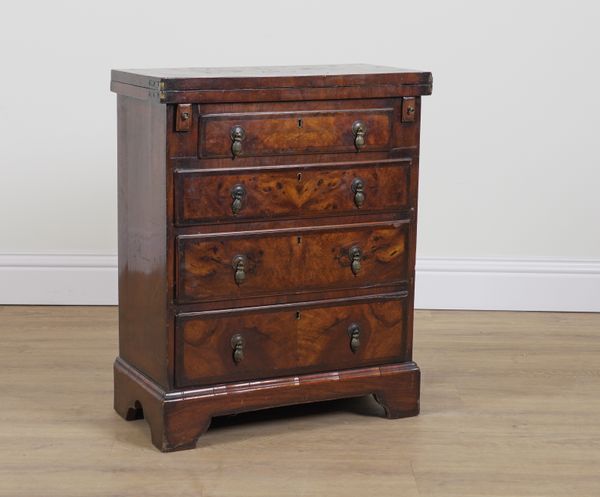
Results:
354 334
237 344
358 187
239 267
237 137
238 192
359 130
355 256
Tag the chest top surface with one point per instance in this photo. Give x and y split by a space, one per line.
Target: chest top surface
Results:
271 76
170 84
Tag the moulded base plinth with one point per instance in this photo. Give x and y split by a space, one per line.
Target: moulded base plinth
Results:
178 418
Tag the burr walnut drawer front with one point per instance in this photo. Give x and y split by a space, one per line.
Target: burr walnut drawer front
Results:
229 266
254 344
288 192
289 132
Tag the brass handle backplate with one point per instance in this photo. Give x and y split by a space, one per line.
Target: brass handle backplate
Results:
239 267
237 344
354 334
355 256
358 187
237 137
238 193
359 130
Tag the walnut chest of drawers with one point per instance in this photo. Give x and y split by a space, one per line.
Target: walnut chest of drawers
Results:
267 230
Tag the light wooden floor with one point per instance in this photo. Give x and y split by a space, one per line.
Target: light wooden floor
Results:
510 407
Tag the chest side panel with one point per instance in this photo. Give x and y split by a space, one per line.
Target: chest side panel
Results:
142 197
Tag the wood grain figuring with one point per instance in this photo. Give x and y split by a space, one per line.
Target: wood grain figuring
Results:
290 261
279 342
309 191
290 133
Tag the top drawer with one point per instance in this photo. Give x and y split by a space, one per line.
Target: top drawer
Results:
291 132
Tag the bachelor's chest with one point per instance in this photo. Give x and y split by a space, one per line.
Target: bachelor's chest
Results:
267 231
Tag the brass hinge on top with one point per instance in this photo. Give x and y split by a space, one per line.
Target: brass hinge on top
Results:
157 88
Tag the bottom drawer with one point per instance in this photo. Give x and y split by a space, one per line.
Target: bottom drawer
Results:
245 344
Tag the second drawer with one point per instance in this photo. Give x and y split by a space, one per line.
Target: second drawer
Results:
297 260
285 192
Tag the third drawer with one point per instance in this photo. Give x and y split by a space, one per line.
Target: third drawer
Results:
237 265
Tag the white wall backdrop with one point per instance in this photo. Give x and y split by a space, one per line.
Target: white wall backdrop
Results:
510 203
